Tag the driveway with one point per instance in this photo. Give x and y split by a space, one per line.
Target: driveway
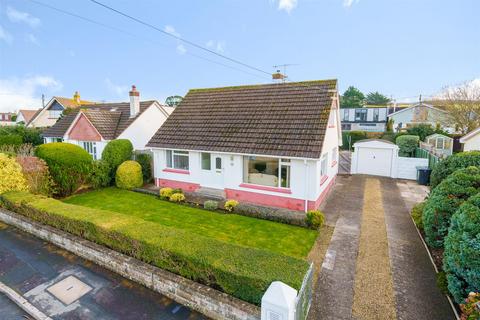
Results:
376 266
33 267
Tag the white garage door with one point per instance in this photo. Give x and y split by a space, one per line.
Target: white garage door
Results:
377 162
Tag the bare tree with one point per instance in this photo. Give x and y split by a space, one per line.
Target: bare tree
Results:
463 106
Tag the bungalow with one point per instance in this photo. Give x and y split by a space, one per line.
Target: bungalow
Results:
25 116
273 144
6 119
471 141
93 126
420 113
49 115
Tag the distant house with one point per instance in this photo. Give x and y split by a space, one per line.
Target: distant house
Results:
49 115
6 119
93 126
372 119
25 116
471 141
272 144
420 113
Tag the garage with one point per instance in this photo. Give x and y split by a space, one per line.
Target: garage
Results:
374 157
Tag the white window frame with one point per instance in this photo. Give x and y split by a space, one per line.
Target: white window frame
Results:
323 165
90 147
170 159
54 114
282 162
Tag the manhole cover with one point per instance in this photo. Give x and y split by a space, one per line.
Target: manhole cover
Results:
69 290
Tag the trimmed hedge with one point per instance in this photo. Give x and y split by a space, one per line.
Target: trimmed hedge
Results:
461 259
454 162
100 174
69 165
445 200
11 140
145 160
407 145
117 152
242 272
129 175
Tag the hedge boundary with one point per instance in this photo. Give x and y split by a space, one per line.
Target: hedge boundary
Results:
242 272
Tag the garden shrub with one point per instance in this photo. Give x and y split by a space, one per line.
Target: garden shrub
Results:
129 175
28 135
407 145
470 307
417 214
445 200
421 130
242 272
177 197
354 137
177 190
11 176
69 165
145 160
442 282
315 219
230 205
100 174
461 259
454 162
10 140
210 205
36 172
165 193
117 152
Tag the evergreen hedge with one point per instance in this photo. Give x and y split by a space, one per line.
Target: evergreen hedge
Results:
407 144
242 272
129 175
117 152
454 162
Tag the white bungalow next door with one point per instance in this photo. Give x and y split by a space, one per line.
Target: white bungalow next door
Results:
213 170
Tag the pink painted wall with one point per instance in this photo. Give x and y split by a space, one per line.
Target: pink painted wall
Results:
186 186
84 131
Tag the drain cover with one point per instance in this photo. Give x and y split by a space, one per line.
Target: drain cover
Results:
69 290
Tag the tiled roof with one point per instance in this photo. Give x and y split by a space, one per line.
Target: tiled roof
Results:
72 104
110 119
284 119
28 114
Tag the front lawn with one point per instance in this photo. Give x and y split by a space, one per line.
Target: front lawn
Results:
231 228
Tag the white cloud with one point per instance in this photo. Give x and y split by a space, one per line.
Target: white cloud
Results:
18 93
5 36
31 38
180 47
219 46
119 90
22 17
349 3
287 5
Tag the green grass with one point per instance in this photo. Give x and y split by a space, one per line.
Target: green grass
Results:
230 228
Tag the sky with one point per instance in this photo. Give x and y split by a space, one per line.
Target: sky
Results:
401 48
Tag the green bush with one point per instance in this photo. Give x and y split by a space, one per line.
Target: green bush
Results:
165 193
407 145
11 177
421 130
177 197
69 165
117 152
354 137
230 205
454 162
100 174
28 135
445 200
129 175
417 214
315 219
10 140
461 259
145 160
442 282
242 272
210 205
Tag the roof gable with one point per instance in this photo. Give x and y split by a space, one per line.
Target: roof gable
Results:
83 130
284 119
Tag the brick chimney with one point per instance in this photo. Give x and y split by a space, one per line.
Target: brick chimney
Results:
134 102
76 97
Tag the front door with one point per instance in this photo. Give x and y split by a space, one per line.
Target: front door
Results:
213 169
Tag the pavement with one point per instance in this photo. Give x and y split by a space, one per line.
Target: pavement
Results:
64 286
414 281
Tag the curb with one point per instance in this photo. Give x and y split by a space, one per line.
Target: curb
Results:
23 303
452 305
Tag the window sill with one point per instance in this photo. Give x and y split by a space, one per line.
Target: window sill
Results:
323 179
265 188
171 170
334 163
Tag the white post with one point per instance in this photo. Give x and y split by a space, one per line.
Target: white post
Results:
278 302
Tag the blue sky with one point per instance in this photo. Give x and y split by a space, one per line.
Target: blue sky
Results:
398 47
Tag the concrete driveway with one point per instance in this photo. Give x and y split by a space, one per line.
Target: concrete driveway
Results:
33 268
376 266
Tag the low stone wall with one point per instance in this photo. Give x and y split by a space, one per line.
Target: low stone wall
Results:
208 301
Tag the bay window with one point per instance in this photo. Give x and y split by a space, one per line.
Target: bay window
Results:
91 148
177 159
265 171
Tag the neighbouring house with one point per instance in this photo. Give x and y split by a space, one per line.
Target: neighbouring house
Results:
6 119
49 115
420 113
471 141
25 116
373 119
272 144
93 126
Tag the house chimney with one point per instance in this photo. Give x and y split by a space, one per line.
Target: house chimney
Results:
76 97
134 102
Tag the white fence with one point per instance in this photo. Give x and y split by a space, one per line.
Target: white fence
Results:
407 167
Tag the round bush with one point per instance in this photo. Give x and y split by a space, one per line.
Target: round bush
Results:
210 205
117 152
165 193
129 175
407 144
230 205
445 200
315 219
12 178
177 197
461 260
454 162
69 165
100 175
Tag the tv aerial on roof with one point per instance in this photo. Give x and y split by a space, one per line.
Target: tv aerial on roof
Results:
278 76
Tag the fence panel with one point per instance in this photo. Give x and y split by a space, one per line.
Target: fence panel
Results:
304 297
432 159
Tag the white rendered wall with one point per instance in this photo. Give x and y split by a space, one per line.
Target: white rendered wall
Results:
407 167
472 144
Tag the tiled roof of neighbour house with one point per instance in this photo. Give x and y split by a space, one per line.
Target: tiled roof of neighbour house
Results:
34 116
284 119
71 103
110 119
28 114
